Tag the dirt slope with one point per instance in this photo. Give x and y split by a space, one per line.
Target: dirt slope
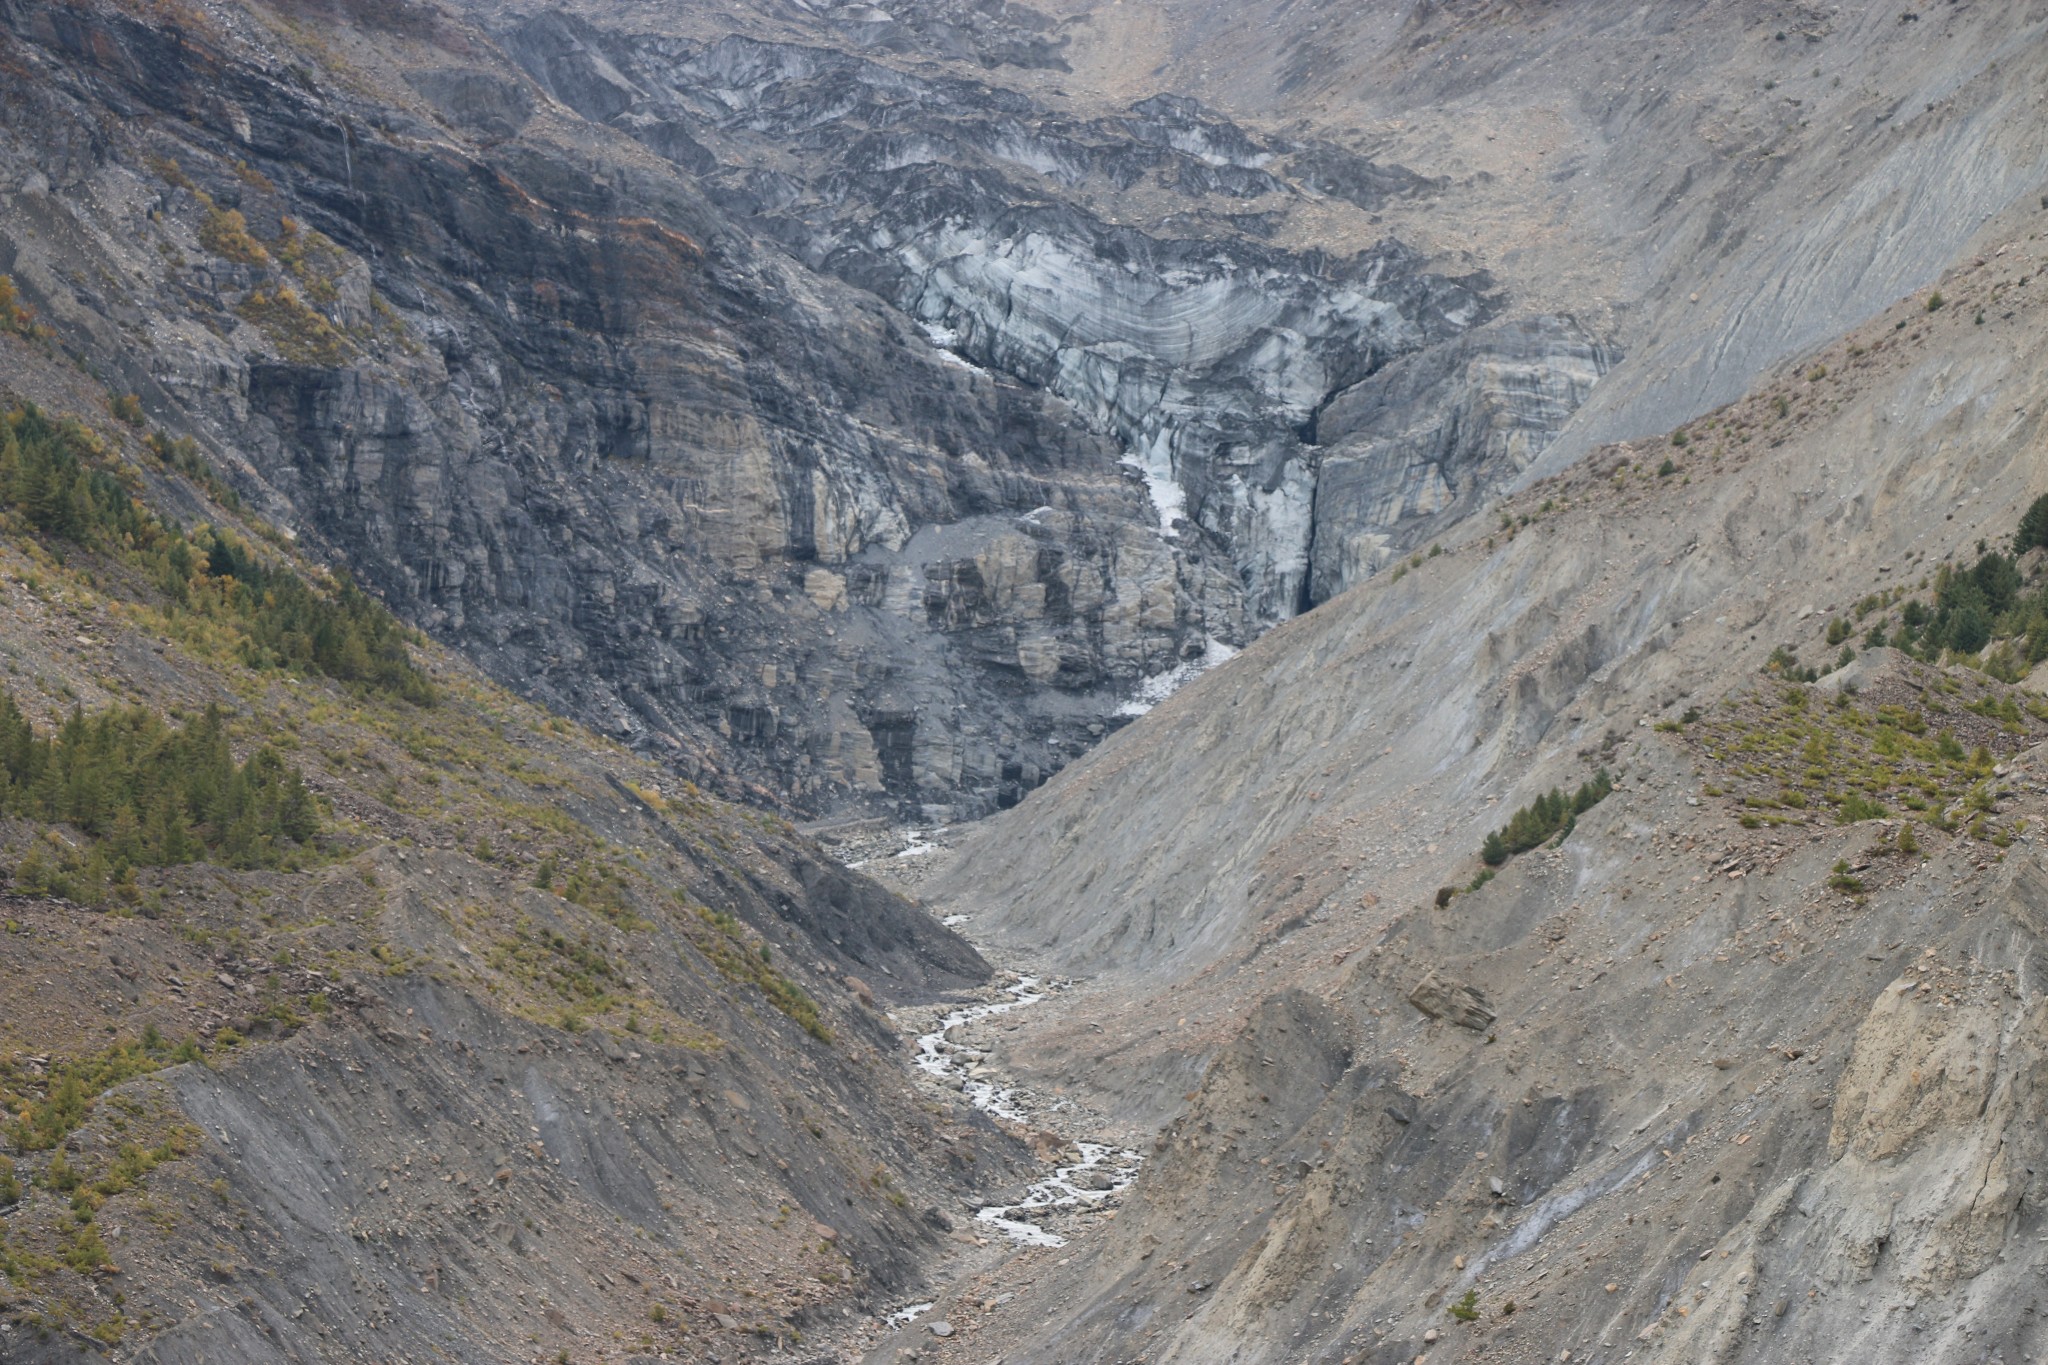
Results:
1760 1072
526 1050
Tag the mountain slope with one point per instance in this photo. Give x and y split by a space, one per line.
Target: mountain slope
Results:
605 359
1748 1065
357 1008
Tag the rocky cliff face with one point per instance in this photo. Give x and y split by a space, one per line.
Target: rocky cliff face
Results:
845 433
1049 247
663 479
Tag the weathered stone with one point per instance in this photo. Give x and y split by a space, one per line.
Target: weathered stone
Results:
1440 997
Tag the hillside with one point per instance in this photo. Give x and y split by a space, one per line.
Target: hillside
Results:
356 1008
1747 1064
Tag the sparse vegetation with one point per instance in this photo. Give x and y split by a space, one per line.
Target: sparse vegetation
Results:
56 477
1787 761
46 1105
225 233
15 316
1552 814
300 333
730 953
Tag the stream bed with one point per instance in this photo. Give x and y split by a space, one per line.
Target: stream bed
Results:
1103 1170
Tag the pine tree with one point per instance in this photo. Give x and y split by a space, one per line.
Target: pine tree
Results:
1493 852
2033 528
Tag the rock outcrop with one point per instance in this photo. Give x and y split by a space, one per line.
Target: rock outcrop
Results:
1006 228
818 416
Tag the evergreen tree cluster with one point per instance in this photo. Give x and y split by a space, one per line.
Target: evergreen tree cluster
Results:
54 477
2032 532
1970 606
148 795
43 477
1553 813
348 636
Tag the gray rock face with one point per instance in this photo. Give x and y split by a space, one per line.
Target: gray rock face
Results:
855 450
1420 444
993 222
668 481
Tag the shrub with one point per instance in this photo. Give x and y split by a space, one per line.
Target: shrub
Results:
15 316
1785 663
1494 851
1935 302
2033 527
225 233
1466 1309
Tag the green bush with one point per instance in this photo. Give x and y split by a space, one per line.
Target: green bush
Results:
1553 813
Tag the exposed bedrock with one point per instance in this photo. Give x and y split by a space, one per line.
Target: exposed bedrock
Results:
1003 227
558 409
1419 445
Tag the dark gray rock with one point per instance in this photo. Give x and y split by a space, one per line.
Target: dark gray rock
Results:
1424 441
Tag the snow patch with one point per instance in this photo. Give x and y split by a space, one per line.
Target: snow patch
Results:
1160 686
918 846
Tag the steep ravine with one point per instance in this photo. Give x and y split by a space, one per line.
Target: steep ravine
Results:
869 462
1723 1076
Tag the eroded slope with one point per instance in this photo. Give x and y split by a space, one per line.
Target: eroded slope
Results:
1746 1061
506 1043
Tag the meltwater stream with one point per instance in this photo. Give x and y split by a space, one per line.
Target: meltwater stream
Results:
1101 1173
